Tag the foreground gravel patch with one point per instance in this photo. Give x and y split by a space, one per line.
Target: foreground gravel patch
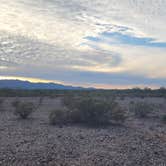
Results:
34 142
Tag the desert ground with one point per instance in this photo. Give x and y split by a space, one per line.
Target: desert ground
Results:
32 142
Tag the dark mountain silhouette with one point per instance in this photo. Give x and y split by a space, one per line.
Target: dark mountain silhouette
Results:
18 84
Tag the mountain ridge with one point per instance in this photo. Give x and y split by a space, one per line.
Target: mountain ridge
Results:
19 84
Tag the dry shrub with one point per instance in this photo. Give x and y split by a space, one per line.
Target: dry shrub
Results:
90 111
15 103
99 112
141 109
41 99
68 101
118 115
164 118
23 109
2 105
58 117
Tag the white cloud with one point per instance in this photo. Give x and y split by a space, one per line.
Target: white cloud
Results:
67 22
50 34
139 60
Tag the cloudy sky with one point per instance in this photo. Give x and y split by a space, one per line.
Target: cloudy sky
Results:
108 43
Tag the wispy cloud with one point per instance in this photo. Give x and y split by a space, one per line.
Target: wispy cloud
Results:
44 38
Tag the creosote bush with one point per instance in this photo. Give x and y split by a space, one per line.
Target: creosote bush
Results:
118 115
1 101
69 101
97 112
93 112
15 103
23 109
164 119
2 105
141 109
41 99
88 111
58 117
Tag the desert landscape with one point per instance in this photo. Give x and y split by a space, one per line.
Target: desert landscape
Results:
82 83
34 141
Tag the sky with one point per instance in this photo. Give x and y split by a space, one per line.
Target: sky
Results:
90 43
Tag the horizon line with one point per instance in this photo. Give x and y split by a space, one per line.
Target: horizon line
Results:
96 86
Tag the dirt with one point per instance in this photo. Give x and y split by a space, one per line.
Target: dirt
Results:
32 142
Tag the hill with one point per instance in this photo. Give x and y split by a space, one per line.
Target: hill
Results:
18 84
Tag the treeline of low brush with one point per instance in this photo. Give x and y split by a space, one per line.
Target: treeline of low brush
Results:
86 111
135 92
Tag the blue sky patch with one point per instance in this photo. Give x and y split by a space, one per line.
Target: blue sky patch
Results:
119 38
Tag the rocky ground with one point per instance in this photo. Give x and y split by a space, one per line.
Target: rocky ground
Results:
32 142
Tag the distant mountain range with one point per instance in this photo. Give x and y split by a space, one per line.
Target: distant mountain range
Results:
18 84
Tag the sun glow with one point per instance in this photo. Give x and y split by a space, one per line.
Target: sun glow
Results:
34 80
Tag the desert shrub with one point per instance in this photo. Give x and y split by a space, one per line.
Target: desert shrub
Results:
24 110
164 118
68 101
141 109
58 117
41 100
131 102
71 102
15 103
97 112
1 101
2 105
118 115
122 98
88 111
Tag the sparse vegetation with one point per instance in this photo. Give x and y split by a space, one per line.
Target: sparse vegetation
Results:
92 111
141 109
1 101
41 100
135 92
15 103
131 102
58 117
68 101
164 118
23 110
118 115
2 105
90 123
122 98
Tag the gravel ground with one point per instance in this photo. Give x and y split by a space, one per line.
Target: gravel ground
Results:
32 142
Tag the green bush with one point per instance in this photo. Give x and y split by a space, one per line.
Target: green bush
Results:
141 109
24 110
58 117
